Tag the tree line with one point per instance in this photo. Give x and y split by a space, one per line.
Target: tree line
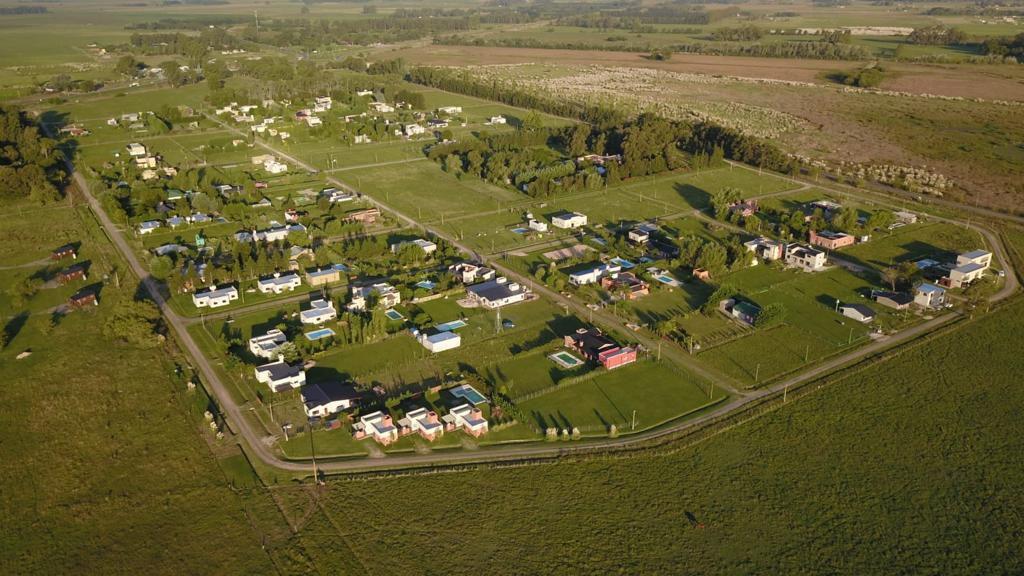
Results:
30 162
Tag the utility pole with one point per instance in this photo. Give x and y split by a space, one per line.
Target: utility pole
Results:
634 421
757 372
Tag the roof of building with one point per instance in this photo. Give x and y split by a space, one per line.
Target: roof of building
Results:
314 395
973 254
930 288
214 292
280 279
746 308
496 289
862 309
897 297
442 337
592 340
969 268
280 370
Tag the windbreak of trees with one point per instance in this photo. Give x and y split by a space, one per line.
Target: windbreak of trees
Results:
30 163
193 48
937 36
1006 47
746 33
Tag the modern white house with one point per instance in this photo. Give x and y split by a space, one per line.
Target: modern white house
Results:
148 226
280 375
438 342
387 295
805 258
321 311
592 274
468 273
381 107
422 421
765 248
414 129
326 398
569 220
267 345
275 167
969 267
929 296
469 418
497 293
536 225
450 109
377 425
494 120
135 149
279 283
638 236
214 297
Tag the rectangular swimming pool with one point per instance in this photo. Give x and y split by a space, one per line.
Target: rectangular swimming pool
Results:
394 314
565 360
449 326
319 334
469 394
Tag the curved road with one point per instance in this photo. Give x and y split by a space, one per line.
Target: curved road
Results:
258 445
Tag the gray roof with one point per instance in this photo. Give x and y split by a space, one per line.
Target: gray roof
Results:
864 310
975 254
493 290
280 370
314 395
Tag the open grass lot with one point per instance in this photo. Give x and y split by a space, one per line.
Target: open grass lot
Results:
114 472
921 477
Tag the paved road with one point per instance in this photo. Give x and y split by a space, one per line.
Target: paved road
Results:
258 444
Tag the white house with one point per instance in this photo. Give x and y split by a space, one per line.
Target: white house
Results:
387 295
469 418
426 245
376 425
468 273
593 274
638 236
266 346
414 129
327 398
929 296
497 120
439 342
381 107
807 259
148 226
214 297
136 150
765 248
568 220
497 293
321 311
422 421
279 283
280 375
450 109
537 225
969 267
858 312
361 139
364 92
275 167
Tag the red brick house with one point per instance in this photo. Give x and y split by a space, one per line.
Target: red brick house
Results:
831 240
596 347
71 274
63 252
367 216
631 286
83 299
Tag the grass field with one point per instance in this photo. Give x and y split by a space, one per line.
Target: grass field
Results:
920 477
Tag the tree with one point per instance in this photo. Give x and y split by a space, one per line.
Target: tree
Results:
880 220
127 66
533 122
723 199
889 276
771 315
712 258
135 322
723 292
161 267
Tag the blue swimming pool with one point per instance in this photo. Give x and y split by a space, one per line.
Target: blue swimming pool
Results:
394 314
622 263
520 230
469 394
449 326
318 334
426 284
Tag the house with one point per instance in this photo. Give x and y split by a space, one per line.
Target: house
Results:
626 282
745 312
387 296
214 297
266 346
314 121
136 150
262 159
321 311
831 240
858 312
326 398
199 218
263 203
361 139
422 421
469 418
366 216
807 259
376 425
701 274
537 225
638 236
596 347
72 274
497 293
148 226
335 196
322 276
364 92
826 206
495 120
63 252
569 220
969 267
437 123
450 110
381 107
293 215
414 129
598 159
468 273
280 375
83 298
766 249
426 245
592 273
275 167
439 341
929 296
894 300
279 283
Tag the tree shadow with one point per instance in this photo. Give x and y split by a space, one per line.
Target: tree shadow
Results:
14 326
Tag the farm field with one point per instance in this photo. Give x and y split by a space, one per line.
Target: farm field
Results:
93 494
916 450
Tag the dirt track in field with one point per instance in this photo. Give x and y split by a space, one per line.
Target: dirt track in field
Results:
967 80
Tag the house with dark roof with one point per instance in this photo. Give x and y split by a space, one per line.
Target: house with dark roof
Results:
83 298
596 347
497 293
626 282
65 251
326 398
894 300
71 274
280 375
858 312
